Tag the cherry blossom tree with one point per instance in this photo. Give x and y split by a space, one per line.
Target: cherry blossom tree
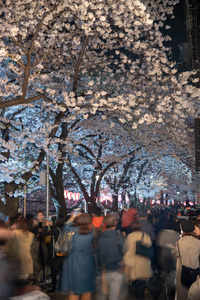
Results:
62 61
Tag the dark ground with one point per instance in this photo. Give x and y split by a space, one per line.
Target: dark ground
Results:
57 296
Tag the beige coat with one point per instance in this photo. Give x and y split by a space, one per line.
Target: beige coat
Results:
138 267
24 243
190 251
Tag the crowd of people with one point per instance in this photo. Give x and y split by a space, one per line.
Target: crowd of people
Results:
104 254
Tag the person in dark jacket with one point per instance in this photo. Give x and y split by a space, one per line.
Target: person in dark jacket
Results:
110 255
54 260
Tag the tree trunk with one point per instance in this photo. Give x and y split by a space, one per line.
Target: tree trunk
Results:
115 203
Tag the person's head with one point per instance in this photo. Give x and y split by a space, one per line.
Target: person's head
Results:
187 228
110 221
96 211
143 214
197 228
83 221
19 216
13 223
163 215
60 222
33 225
23 225
132 205
40 216
198 214
136 226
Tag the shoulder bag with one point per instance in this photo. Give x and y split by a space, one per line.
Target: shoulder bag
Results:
143 249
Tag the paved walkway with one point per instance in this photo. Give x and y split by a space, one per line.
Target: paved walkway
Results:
57 296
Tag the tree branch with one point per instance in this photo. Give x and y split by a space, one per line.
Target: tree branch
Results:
19 44
77 66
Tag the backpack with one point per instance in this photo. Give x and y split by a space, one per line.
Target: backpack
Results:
63 245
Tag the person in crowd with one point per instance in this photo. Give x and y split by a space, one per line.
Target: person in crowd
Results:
42 247
54 260
33 227
128 216
97 218
187 251
198 214
110 256
7 279
24 241
138 267
171 224
147 227
165 242
19 216
77 274
197 229
162 222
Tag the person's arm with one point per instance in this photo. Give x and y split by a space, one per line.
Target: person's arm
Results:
68 225
6 233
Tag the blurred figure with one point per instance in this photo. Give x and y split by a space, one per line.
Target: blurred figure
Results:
6 274
128 216
147 226
138 267
197 229
188 248
54 260
97 218
78 269
42 248
166 241
171 224
110 255
25 239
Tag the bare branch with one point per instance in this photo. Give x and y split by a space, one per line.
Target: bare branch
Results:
20 101
19 44
78 63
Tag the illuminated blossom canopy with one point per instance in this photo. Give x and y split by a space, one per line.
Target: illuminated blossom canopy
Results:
63 61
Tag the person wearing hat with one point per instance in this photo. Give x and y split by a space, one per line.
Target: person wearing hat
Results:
187 251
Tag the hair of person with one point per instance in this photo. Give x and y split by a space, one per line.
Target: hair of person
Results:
142 213
197 223
13 221
83 222
60 222
97 211
136 226
19 216
40 212
29 216
188 234
23 225
110 221
132 204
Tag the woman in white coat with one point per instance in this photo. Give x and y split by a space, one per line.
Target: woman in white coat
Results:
187 252
138 267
